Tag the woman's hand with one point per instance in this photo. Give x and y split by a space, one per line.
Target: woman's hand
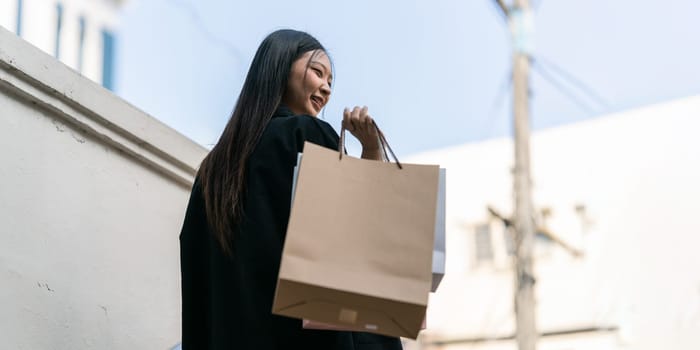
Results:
361 125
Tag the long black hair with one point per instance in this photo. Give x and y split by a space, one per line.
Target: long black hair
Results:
222 172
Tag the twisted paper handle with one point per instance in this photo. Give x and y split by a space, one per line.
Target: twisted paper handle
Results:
382 142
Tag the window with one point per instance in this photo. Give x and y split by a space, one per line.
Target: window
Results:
107 60
59 20
19 18
81 42
484 248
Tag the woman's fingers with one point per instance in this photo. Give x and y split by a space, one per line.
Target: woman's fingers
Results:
360 119
355 119
347 120
367 122
360 124
363 118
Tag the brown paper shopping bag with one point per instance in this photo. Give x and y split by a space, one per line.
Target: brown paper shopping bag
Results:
439 240
308 324
359 245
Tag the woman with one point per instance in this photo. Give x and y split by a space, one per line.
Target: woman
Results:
232 237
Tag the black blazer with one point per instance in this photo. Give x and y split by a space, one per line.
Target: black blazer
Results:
227 301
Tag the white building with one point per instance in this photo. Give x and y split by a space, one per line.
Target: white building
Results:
80 33
624 189
93 196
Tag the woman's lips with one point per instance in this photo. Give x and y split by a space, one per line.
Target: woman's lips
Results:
317 104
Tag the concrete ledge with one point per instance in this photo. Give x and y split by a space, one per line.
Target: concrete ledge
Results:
38 78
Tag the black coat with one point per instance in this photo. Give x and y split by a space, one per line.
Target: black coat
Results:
227 301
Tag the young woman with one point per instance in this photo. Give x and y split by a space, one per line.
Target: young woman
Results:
234 228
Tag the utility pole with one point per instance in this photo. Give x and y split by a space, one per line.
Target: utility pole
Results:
519 17
526 333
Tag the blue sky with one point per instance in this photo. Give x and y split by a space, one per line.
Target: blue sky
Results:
431 72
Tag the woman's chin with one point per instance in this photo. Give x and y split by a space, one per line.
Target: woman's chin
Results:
312 112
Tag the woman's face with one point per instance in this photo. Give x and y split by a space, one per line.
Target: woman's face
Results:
308 89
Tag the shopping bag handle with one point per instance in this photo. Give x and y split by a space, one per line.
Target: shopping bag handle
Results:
382 142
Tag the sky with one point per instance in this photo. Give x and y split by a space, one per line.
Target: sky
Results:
433 73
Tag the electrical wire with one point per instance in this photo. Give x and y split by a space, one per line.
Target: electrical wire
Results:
500 9
571 79
502 92
562 88
201 26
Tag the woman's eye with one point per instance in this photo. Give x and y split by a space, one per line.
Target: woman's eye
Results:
318 72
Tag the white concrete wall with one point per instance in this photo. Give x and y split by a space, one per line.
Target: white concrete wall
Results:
637 175
93 195
39 28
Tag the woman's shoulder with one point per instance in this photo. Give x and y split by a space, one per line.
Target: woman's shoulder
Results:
300 121
302 128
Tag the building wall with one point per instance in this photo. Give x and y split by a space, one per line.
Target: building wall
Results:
39 27
634 178
93 195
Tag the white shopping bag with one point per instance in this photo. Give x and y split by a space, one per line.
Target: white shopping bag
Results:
439 242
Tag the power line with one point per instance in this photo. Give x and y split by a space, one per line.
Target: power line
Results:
501 9
502 5
562 88
497 102
200 24
502 90
571 79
